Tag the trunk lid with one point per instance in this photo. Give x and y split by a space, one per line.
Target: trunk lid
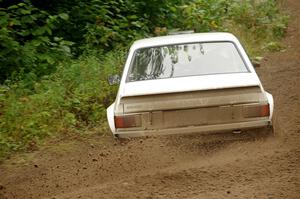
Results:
185 84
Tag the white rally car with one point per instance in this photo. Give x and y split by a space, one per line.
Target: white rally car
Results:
186 83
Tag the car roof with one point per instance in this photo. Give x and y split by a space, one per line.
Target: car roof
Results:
183 38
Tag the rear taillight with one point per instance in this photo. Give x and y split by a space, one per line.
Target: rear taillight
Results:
128 121
265 110
257 111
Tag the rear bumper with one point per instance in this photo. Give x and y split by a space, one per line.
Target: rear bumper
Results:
196 129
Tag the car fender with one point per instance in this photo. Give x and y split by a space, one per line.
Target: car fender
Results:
271 103
110 117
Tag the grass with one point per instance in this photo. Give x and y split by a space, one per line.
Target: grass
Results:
72 99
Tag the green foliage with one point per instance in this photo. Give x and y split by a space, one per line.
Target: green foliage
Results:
259 16
73 98
103 24
257 23
26 41
204 15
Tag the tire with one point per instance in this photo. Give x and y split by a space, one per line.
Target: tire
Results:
276 125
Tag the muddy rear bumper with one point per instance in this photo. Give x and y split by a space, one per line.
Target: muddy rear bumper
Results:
196 129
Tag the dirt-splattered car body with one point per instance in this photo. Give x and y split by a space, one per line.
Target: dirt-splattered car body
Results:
201 82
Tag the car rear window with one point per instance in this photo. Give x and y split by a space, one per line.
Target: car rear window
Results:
183 60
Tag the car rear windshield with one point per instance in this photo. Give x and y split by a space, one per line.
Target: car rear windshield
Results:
183 60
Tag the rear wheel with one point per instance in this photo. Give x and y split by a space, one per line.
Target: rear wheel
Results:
260 133
269 131
121 140
276 124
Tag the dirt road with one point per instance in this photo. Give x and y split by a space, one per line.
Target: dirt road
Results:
214 166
